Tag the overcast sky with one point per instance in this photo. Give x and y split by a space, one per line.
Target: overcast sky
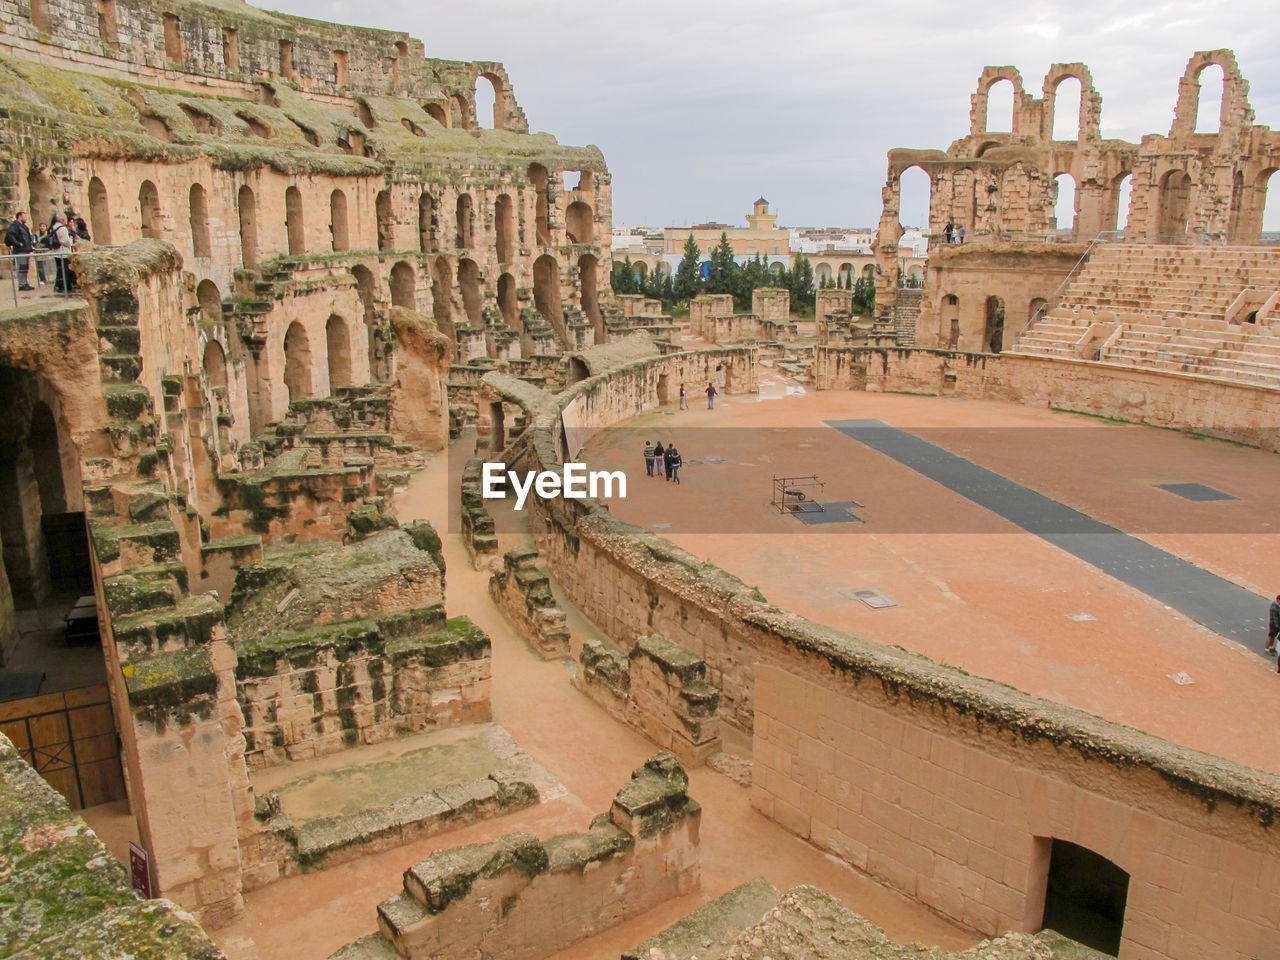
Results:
702 106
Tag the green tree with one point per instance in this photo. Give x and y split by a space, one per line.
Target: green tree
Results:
622 278
688 282
864 295
721 270
799 280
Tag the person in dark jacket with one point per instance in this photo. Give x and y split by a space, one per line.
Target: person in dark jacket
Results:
1273 626
674 461
659 452
19 241
82 229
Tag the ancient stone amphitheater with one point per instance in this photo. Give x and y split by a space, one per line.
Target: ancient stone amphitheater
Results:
317 285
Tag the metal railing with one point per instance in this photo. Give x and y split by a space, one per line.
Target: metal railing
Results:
36 277
1104 236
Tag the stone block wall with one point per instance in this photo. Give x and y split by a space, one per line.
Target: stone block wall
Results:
523 592
548 894
660 689
477 523
708 305
771 303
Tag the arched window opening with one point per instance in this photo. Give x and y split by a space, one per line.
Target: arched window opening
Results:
464 222
365 115
546 292
210 301
1064 209
1121 199
107 24
43 193
231 49
149 210
386 225
1209 110
341 68
338 340
1175 204
640 269
1000 107
441 296
542 210
1236 212
993 335
578 223
99 212
950 315
1085 896
1267 201
198 219
589 277
507 302
338 221
429 223
1037 305
297 362
365 290
403 283
822 275
461 112
42 440
215 365
247 205
469 285
293 222
286 60
504 215
914 190
487 99
1066 109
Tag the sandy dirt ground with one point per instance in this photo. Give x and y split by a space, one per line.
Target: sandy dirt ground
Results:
309 917
972 589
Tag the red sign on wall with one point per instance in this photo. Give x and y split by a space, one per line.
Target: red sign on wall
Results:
140 869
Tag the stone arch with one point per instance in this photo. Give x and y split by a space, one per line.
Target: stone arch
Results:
546 291
469 285
1120 197
293 220
149 210
508 304
915 196
1037 305
486 100
210 300
297 362
386 220
466 222
822 274
540 179
640 269
1209 110
403 286
949 318
1067 206
589 278
198 219
1175 204
1265 209
365 289
499 99
215 365
338 221
437 112
578 370
993 331
504 220
845 275
1233 114
428 222
579 223
441 296
247 206
1066 126
1008 84
337 337
99 212
461 111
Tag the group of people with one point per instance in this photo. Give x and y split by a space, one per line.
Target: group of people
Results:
60 236
953 233
711 393
660 461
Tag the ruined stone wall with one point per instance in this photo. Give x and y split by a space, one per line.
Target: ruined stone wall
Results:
523 592
1192 830
1199 405
640 853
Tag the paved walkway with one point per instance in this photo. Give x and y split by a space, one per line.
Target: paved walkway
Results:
1224 607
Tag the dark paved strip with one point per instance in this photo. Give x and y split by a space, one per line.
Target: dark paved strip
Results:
1224 607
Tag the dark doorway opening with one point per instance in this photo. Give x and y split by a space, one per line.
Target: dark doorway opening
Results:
1086 896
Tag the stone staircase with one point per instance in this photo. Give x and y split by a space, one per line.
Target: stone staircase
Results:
1167 308
906 313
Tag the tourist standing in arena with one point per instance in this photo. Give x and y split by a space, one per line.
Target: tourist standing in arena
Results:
658 455
648 458
1273 625
711 396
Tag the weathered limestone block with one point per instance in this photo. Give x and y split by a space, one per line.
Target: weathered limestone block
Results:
771 303
554 893
660 689
524 592
706 306
477 524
